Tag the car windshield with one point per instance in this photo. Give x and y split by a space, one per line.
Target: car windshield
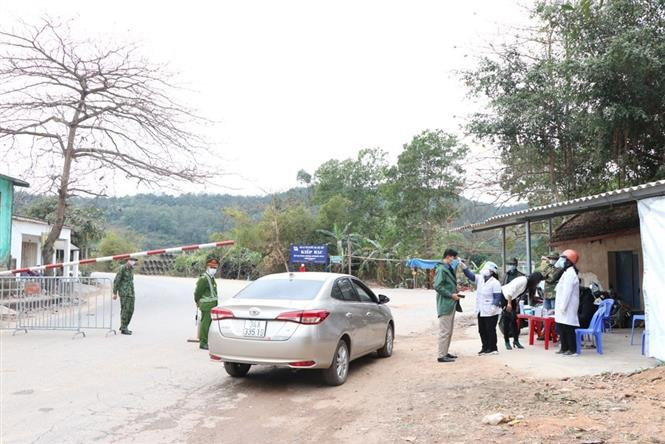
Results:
296 289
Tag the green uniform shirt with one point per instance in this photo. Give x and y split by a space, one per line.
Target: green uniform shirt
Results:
445 284
123 284
551 275
206 290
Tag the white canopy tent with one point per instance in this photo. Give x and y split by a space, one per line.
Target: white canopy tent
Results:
652 228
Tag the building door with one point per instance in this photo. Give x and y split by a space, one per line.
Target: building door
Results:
28 254
628 278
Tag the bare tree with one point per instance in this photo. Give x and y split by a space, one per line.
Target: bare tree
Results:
81 109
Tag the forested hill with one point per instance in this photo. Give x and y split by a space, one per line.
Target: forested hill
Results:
158 220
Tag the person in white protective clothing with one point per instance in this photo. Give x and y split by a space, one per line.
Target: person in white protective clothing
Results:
488 304
567 302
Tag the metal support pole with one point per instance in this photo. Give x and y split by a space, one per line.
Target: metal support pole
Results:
503 248
348 250
549 233
528 247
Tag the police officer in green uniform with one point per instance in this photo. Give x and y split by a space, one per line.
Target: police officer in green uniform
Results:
123 286
551 275
205 296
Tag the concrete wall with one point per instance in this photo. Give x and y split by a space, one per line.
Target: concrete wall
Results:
594 255
6 203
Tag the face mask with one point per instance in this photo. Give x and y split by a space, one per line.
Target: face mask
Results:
131 263
512 268
454 263
552 262
212 271
560 263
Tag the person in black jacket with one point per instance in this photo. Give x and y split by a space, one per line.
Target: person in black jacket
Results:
512 272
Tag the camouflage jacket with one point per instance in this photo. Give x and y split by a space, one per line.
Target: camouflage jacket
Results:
551 275
123 284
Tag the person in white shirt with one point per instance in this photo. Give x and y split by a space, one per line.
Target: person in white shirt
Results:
567 302
520 288
488 305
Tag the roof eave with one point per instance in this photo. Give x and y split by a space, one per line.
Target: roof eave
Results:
606 200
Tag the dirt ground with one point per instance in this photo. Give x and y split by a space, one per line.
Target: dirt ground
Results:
155 387
412 398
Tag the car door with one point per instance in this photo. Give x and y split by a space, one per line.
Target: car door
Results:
354 313
376 319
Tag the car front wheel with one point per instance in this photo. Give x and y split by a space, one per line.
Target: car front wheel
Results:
339 370
236 370
387 350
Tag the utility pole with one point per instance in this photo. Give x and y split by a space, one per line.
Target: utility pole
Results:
348 250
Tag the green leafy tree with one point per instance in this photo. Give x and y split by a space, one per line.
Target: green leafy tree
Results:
424 185
87 223
358 180
574 105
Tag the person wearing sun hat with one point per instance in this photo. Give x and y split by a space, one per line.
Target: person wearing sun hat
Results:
205 296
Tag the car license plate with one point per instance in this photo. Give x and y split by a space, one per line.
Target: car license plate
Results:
254 329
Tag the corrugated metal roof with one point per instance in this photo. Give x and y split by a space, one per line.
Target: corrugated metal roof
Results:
15 181
582 204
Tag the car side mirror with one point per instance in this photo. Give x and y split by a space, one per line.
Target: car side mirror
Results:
383 299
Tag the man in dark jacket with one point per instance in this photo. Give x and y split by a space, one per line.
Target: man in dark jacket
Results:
512 272
445 284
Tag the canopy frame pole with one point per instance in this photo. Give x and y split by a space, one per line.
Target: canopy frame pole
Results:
503 248
549 233
528 247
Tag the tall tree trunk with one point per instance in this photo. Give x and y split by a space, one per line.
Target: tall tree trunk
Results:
60 213
63 191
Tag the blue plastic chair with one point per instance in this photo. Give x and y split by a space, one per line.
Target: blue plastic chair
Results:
632 328
608 303
595 329
645 340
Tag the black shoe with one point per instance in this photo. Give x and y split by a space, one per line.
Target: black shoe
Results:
560 352
516 344
125 332
445 359
203 346
482 352
569 353
508 347
541 338
451 356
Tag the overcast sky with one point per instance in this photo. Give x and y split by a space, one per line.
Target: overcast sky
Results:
295 83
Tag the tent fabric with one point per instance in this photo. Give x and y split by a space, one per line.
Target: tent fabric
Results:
652 229
427 264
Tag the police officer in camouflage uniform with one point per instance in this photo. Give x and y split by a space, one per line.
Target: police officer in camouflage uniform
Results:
123 286
205 296
551 276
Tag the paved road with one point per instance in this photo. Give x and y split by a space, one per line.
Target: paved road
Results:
149 387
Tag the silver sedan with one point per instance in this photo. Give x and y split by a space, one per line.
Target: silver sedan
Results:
301 320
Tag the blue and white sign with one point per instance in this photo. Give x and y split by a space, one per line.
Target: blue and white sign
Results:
309 254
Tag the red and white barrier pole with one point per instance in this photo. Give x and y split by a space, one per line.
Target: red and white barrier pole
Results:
119 257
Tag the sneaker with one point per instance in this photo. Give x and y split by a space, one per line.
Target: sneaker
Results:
560 352
569 353
125 332
482 352
508 347
493 352
451 356
517 345
445 359
203 346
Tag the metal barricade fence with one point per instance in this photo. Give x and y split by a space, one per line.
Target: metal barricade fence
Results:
56 303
